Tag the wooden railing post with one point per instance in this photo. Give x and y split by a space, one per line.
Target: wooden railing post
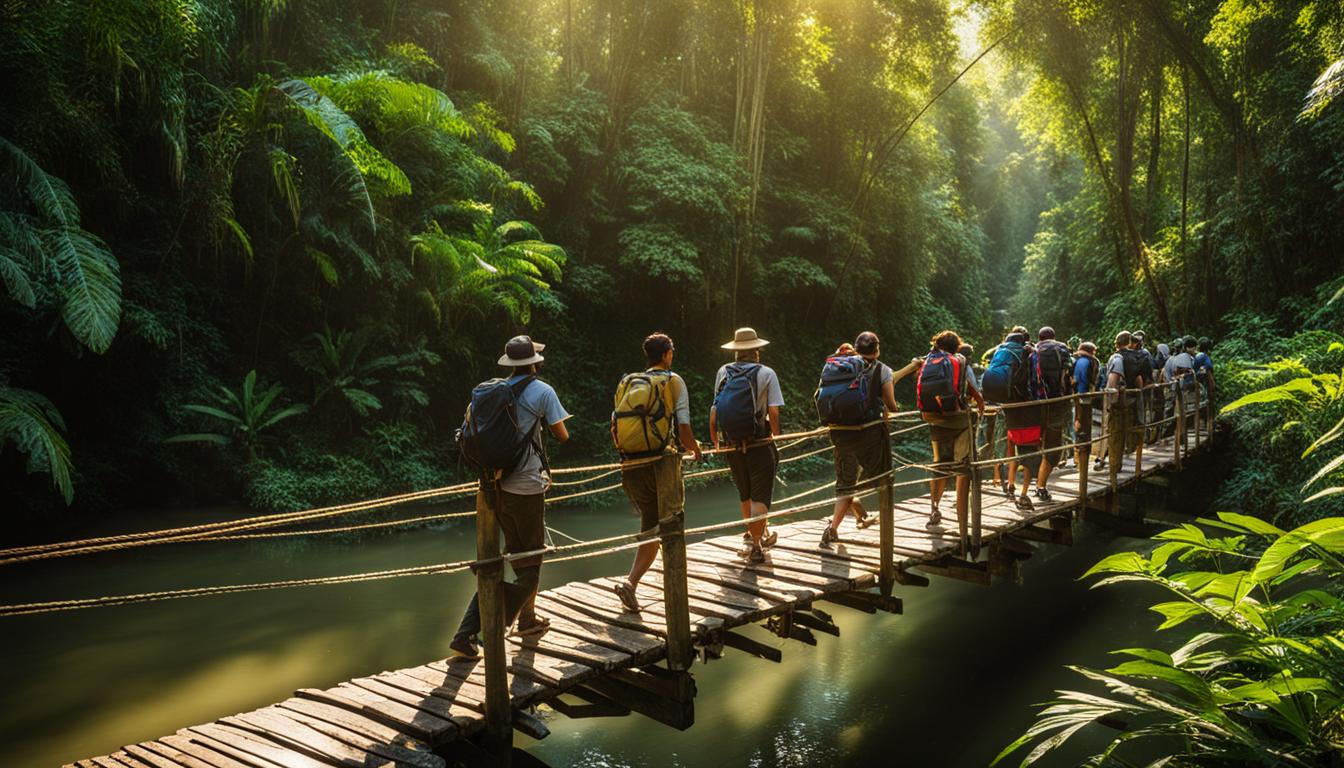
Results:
975 488
1199 403
1116 437
498 737
680 654
1179 430
1159 410
1082 453
1141 411
886 520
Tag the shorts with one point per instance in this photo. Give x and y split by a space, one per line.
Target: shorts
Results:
951 439
754 472
522 521
860 456
641 485
1053 437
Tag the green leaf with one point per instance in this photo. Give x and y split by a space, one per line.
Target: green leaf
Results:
293 410
1251 524
1290 390
1177 612
1120 562
212 411
1328 533
33 424
200 437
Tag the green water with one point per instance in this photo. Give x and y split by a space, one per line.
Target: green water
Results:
948 683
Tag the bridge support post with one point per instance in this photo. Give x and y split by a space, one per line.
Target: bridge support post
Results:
1179 430
1082 453
498 736
680 654
974 490
1115 446
886 536
1199 408
1141 411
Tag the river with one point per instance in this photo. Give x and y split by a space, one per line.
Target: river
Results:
948 683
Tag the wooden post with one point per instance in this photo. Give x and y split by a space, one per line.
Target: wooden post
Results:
1116 437
1143 410
1179 430
886 536
1198 412
498 736
1082 454
1160 406
680 654
975 489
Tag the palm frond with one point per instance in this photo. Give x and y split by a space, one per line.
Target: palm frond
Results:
33 424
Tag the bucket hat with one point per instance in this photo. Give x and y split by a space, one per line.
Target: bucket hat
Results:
521 350
745 338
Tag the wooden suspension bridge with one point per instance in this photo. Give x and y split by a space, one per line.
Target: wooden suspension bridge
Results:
598 659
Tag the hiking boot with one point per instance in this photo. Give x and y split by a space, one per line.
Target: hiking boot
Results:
769 539
935 519
756 555
1008 489
1043 494
1024 502
1099 464
464 648
626 591
829 537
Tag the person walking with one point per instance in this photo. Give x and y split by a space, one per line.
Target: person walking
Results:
1125 371
854 393
745 416
945 382
501 410
650 425
1007 381
1051 378
1204 367
1085 371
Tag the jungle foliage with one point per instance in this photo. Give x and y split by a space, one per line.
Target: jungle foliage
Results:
358 202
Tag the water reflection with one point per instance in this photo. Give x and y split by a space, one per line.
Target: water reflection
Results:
949 683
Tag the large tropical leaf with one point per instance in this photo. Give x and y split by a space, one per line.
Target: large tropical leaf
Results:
91 285
33 424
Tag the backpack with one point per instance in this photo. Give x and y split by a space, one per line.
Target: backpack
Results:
489 438
736 404
1052 369
644 414
846 394
940 383
1005 380
1134 360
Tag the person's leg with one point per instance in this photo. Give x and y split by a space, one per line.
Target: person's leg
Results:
938 481
842 504
757 528
470 626
644 556
640 485
523 523
741 473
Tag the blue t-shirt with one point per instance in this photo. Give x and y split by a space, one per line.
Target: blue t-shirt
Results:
537 401
1084 374
1203 362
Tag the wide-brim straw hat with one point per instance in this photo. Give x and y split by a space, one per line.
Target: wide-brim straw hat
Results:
745 338
521 350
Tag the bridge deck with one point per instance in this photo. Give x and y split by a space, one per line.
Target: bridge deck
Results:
399 717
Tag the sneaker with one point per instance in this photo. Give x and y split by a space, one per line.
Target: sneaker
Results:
935 519
1007 489
829 537
769 539
756 555
1043 494
1099 464
1024 502
537 626
746 537
626 591
464 648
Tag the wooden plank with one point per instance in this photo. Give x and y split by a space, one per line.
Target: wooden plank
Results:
725 595
443 708
130 761
422 725
523 690
636 645
819 582
418 756
574 650
740 577
531 658
611 614
255 752
601 589
839 571
273 726
360 725
430 681
156 760
186 747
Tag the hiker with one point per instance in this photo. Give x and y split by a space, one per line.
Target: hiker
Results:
1007 380
1204 366
1085 371
1051 377
855 391
1160 359
861 518
650 425
1180 372
1124 371
945 379
502 436
747 399
1144 410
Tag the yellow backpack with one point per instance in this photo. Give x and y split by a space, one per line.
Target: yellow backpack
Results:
644 416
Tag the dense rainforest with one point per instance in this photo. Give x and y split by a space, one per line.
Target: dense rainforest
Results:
260 250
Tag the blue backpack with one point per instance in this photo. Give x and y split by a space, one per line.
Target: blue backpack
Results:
846 394
735 405
1005 380
489 438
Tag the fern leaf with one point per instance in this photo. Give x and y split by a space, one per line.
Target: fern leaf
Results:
90 285
33 424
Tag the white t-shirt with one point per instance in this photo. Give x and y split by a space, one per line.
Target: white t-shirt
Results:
537 401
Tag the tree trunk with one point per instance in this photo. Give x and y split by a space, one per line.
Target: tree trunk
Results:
1153 182
1185 193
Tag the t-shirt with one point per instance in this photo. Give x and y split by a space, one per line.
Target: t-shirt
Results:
1084 373
1175 363
1116 365
537 401
971 377
767 381
681 409
1203 362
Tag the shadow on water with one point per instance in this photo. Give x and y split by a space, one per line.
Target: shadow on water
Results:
948 683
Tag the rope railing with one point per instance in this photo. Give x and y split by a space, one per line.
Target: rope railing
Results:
227 531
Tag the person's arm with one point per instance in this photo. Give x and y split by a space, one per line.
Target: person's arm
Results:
914 365
561 434
688 440
889 395
714 426
774 421
979 399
